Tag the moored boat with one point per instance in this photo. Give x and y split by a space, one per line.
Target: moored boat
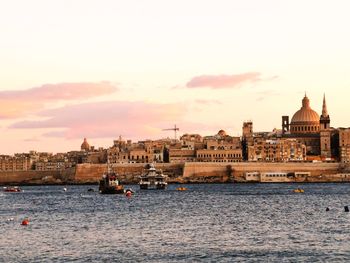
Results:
153 179
298 190
109 184
13 189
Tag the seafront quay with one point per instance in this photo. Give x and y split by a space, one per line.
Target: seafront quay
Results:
190 172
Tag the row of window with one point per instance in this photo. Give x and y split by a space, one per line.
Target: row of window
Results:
217 155
275 175
219 161
305 128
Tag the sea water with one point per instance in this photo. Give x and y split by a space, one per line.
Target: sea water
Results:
206 223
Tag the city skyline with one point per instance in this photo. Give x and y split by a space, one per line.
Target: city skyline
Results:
101 69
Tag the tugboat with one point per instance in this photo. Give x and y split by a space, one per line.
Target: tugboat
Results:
13 189
109 184
152 179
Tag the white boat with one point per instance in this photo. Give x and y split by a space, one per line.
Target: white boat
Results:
153 179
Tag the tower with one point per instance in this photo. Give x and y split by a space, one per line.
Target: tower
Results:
285 124
247 129
325 131
247 138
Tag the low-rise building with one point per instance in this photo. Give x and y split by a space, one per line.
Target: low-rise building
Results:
219 155
344 145
279 150
19 162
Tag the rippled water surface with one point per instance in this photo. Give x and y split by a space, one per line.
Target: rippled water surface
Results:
207 223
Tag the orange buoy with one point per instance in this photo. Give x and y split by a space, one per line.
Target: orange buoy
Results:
25 222
128 194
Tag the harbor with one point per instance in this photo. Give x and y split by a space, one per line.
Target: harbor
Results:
186 173
205 223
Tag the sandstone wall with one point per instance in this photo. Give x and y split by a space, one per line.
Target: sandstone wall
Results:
37 177
224 172
180 173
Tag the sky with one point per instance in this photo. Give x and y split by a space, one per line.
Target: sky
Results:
101 69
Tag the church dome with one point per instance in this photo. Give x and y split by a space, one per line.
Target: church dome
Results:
85 146
305 114
222 133
305 120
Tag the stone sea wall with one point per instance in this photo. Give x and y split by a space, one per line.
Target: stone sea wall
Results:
180 173
37 177
224 172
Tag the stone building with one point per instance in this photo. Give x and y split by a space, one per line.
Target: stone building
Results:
247 138
344 145
141 152
310 129
19 162
52 166
52 162
217 148
182 155
219 155
277 150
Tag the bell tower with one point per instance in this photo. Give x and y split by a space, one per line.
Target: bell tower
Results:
247 138
285 124
325 131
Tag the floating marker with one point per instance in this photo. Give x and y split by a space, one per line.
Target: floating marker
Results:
25 222
327 209
346 208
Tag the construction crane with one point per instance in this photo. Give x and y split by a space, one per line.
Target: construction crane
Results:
175 129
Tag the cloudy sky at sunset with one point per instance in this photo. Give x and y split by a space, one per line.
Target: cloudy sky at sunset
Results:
71 69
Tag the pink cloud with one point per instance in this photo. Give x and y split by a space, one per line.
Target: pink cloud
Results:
22 102
107 119
224 81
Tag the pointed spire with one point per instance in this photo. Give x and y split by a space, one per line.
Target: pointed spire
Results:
324 107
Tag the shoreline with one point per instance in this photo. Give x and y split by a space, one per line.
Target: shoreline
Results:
189 173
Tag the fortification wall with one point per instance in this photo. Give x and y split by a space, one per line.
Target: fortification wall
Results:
37 177
225 172
180 173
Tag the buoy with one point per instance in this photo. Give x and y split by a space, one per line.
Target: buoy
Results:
65 189
346 208
25 222
128 194
327 209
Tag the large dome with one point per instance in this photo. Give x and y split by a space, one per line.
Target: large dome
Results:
85 145
305 114
305 120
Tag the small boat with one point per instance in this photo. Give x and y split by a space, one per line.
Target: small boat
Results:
13 189
153 179
109 184
181 189
298 190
